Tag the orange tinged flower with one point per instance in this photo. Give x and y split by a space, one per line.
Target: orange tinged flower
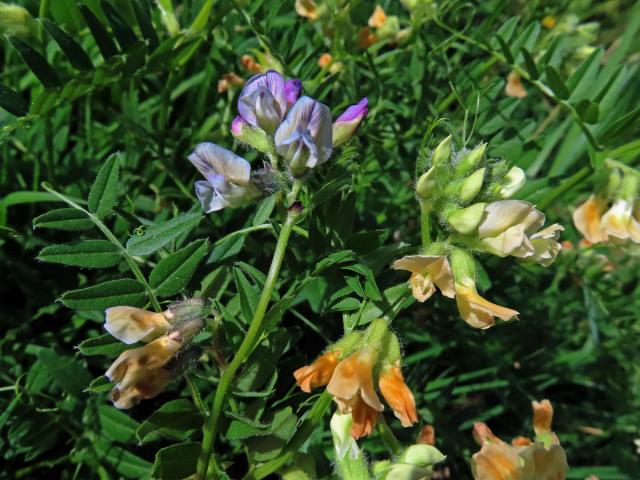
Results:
521 442
325 60
318 373
542 416
398 396
514 87
477 311
353 380
250 64
229 81
364 418
427 436
483 434
587 219
496 461
366 37
378 18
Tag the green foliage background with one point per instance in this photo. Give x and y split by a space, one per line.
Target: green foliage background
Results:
133 87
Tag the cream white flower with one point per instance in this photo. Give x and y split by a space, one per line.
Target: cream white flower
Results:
620 223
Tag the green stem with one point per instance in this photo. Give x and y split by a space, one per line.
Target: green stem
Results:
112 238
246 347
425 224
388 437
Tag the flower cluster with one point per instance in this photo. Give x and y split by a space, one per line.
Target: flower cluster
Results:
143 372
613 213
349 368
470 198
540 459
294 131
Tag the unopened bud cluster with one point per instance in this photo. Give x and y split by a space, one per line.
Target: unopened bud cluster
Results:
467 196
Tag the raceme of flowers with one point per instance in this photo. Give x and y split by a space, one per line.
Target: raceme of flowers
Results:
468 197
294 131
142 373
612 214
349 368
542 458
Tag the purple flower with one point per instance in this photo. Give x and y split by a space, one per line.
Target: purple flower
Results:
292 91
347 124
304 138
228 178
263 102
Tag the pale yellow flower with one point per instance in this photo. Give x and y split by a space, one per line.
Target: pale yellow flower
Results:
476 310
307 9
619 223
131 325
427 272
514 87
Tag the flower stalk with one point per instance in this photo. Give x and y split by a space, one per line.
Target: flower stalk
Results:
253 335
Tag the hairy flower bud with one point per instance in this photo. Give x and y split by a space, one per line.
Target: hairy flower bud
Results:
442 153
512 182
472 185
346 125
466 220
253 136
468 161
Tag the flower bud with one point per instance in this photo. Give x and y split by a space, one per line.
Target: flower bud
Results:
466 220
512 182
347 124
16 20
468 161
442 152
423 455
426 184
472 185
389 29
253 136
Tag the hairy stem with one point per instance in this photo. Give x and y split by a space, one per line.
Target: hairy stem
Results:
425 224
246 347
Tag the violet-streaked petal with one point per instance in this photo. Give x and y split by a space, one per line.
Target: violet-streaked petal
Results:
274 83
210 158
292 91
312 116
207 196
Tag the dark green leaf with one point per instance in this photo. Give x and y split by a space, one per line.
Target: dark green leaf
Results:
530 64
176 462
103 194
66 372
264 210
37 63
87 253
157 236
63 219
124 291
248 295
226 249
124 34
102 345
506 52
172 274
71 49
175 419
116 424
13 102
141 10
100 34
556 83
